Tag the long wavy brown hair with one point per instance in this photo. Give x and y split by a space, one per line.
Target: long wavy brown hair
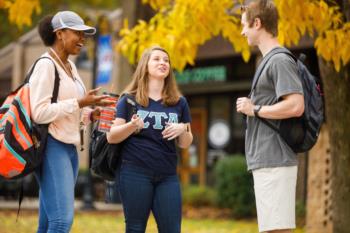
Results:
140 81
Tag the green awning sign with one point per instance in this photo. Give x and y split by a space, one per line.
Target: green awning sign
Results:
201 75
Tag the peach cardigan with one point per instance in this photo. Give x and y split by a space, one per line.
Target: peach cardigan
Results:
65 115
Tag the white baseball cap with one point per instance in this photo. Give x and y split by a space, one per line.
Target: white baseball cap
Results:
71 20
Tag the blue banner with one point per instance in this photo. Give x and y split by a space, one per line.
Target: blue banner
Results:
104 60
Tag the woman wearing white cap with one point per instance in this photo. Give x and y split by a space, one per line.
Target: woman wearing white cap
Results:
64 35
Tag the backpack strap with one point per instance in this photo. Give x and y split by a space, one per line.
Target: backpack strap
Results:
269 124
56 84
263 64
258 73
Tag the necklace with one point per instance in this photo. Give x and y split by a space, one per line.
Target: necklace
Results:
68 71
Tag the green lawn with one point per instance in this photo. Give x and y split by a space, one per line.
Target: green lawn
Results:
102 222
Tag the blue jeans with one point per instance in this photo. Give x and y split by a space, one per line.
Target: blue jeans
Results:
56 177
143 191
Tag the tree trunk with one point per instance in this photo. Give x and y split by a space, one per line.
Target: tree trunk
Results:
337 103
337 95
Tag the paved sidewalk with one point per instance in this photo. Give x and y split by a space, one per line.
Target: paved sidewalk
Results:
33 204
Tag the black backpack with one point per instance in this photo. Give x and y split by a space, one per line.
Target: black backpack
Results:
105 157
300 133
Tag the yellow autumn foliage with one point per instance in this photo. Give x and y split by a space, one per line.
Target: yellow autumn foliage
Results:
320 21
181 26
20 11
2 4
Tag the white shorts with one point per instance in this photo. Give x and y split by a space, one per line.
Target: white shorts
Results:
275 197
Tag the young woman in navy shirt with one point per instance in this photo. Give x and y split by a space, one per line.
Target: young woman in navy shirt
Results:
147 179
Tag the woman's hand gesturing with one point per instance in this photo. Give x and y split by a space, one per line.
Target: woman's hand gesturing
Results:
173 130
92 99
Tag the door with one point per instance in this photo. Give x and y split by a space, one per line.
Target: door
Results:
192 163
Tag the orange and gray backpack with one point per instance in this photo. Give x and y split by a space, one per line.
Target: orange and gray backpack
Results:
22 141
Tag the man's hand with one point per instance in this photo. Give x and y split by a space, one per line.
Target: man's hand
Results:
244 105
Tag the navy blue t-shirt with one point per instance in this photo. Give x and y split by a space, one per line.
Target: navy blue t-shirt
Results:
148 148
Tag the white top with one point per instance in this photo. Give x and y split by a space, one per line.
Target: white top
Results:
64 115
80 87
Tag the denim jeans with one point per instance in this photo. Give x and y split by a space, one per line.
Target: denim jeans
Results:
143 191
56 177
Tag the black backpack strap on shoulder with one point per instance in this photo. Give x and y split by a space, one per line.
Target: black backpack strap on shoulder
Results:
263 63
57 79
56 86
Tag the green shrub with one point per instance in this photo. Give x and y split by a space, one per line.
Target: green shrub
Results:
234 185
300 209
198 196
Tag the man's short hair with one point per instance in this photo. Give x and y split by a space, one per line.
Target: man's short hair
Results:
266 11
